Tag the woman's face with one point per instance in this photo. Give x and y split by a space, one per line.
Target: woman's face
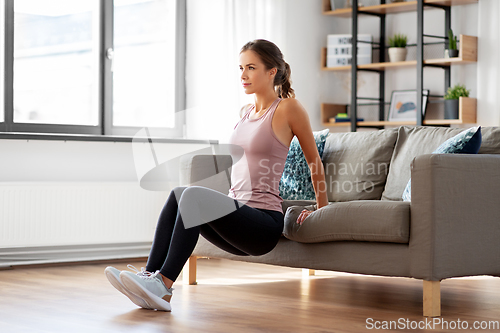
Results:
255 77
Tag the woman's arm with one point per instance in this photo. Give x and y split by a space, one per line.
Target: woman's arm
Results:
299 123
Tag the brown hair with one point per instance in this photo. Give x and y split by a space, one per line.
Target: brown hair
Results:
272 57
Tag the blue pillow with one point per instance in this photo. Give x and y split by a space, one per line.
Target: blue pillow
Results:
466 142
296 182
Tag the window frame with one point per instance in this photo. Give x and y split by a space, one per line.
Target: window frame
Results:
105 83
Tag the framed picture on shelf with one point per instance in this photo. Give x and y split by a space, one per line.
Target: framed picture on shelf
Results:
404 105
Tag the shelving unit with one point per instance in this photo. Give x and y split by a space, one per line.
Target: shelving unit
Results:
466 115
467 54
392 8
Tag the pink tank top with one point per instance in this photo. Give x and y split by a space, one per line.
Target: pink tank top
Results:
256 176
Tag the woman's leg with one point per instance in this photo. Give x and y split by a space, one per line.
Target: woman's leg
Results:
248 231
158 253
169 216
242 231
237 228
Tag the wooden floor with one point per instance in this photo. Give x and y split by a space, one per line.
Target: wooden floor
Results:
232 297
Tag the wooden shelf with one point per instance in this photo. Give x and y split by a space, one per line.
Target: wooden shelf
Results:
331 110
467 54
385 123
467 111
342 124
391 8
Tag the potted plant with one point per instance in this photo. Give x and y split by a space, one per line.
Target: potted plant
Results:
452 50
451 100
397 47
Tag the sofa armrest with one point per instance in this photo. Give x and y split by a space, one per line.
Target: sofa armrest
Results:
212 171
455 216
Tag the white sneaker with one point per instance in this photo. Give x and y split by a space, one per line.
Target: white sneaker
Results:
113 276
149 287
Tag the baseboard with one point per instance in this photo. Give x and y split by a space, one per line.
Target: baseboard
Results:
22 256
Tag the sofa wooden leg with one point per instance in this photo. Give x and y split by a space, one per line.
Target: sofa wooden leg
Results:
189 271
432 299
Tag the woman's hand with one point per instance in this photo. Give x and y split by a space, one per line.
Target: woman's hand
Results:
305 213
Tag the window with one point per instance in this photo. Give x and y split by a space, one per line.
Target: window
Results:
143 75
94 66
56 61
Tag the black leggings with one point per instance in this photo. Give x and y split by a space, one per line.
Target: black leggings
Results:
244 231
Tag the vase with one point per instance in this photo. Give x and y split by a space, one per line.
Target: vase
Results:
453 53
451 109
397 54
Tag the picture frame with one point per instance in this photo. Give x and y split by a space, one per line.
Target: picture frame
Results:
404 103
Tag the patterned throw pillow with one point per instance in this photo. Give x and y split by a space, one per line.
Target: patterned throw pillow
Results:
466 142
296 183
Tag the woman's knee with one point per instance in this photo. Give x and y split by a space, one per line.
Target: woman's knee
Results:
177 192
192 193
179 189
188 195
208 198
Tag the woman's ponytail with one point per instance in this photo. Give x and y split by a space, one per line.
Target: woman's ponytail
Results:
284 84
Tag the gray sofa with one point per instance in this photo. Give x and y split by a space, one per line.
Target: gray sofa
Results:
451 228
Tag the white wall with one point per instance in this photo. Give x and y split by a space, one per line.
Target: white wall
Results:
34 160
64 193
211 102
216 31
85 161
306 34
488 66
305 31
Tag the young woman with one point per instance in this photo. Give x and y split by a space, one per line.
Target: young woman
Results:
255 224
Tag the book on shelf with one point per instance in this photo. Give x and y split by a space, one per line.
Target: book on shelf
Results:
342 119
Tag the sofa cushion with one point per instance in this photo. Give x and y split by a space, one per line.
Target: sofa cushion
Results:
303 203
491 140
465 142
361 220
296 182
411 142
356 164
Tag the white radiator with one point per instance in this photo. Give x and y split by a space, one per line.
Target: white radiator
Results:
60 221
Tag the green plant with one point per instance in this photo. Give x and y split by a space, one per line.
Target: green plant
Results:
398 40
452 40
457 91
